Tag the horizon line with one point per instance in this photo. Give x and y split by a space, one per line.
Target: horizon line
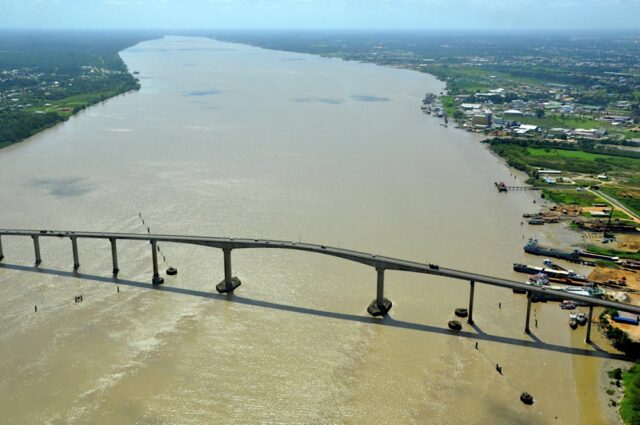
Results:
334 29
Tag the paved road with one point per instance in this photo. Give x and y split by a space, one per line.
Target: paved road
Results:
379 262
619 205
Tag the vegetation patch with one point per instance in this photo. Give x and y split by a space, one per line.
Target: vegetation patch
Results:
630 405
47 77
561 121
529 154
626 195
614 252
619 338
572 197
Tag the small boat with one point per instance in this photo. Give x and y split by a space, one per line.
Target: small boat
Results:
573 320
567 305
536 221
573 323
582 319
539 279
526 398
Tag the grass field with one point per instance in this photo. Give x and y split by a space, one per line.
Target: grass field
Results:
75 102
566 154
613 252
616 214
630 405
573 197
580 161
558 121
629 197
448 104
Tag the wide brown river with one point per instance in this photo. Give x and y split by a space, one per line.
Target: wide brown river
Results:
231 140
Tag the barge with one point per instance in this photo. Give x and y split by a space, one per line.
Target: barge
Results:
533 247
585 291
556 275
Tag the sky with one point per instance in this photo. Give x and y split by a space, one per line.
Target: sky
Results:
322 14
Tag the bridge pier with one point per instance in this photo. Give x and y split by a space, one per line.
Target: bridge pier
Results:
157 280
588 339
114 255
36 248
472 285
526 325
381 305
74 247
1 253
229 284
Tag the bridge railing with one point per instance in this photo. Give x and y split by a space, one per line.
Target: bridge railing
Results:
380 306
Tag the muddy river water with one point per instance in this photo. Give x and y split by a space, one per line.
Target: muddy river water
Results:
231 140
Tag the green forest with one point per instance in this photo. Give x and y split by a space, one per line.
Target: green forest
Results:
45 77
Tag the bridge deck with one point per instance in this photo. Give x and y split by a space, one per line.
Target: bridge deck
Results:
379 262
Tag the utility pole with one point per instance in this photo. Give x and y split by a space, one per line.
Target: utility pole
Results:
606 229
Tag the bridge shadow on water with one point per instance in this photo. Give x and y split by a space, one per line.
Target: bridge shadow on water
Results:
478 335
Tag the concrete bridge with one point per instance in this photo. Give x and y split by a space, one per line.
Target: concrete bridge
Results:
380 306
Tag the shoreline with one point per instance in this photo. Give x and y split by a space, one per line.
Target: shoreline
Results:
503 163
586 402
66 119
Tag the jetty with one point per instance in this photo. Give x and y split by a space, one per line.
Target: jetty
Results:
502 187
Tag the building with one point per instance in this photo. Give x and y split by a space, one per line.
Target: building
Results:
590 133
557 131
512 113
549 172
567 109
470 106
526 128
481 119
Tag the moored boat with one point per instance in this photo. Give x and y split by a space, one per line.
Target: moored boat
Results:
533 247
582 319
539 279
557 275
573 323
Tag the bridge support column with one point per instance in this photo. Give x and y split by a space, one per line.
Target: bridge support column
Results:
1 253
588 339
157 280
74 247
229 284
526 325
472 285
381 305
36 248
114 255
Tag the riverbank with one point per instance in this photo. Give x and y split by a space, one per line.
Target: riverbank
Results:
273 152
270 153
614 174
590 410
49 76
